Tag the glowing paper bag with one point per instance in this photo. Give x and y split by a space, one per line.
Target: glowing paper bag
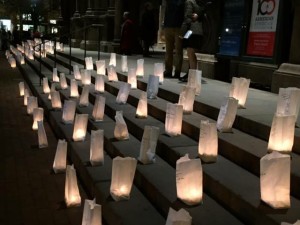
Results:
140 68
227 114
123 93
148 144
26 95
31 104
194 80
74 89
46 88
111 73
131 79
239 90
189 180
76 72
159 71
142 108
86 77
96 148
112 61
121 131
72 195
98 110
52 89
124 66
80 126
275 172
123 170
63 81
173 122
100 67
187 98
92 214
55 100
180 217
89 63
84 97
21 88
68 111
152 86
60 159
99 84
55 77
38 115
42 137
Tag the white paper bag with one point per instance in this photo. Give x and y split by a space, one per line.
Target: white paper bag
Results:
86 77
46 88
140 68
42 137
275 172
63 81
98 110
74 89
148 144
227 115
131 79
180 217
101 67
189 180
80 126
124 66
72 195
55 77
60 159
55 100
38 115
92 214
194 80
96 148
123 170
32 103
239 90
26 95
111 73
173 122
142 108
99 84
21 88
282 133
121 131
123 93
187 98
112 61
152 86
52 89
84 97
159 71
77 75
208 141
89 63
68 111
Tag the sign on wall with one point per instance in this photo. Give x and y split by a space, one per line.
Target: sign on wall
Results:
262 32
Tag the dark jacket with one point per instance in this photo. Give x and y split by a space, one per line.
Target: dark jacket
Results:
191 7
174 13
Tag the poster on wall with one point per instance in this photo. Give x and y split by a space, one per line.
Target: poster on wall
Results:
231 30
262 32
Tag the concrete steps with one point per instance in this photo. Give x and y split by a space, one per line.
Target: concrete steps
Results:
239 197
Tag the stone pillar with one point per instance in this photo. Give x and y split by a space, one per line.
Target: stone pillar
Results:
295 41
118 20
76 25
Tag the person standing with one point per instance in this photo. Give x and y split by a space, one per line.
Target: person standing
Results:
174 14
193 16
127 35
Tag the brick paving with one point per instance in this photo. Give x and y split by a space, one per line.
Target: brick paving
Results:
30 194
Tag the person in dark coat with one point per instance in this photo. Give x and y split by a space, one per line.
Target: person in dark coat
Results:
127 35
148 28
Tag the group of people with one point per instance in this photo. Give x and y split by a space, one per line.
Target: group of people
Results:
182 29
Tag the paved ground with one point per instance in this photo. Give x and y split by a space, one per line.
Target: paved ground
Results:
30 194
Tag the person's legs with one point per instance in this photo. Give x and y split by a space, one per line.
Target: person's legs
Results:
169 37
178 52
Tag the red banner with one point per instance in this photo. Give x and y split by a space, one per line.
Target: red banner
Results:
261 43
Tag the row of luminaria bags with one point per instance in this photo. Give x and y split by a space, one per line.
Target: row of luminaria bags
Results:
274 167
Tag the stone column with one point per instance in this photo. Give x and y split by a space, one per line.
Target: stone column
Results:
118 20
295 41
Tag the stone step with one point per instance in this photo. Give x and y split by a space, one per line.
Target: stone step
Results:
226 186
255 120
239 147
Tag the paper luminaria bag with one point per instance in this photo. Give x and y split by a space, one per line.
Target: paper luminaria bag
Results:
63 81
152 86
72 195
74 89
131 78
96 148
142 107
282 133
189 180
42 137
239 90
60 159
140 68
187 98
148 145
55 77
275 172
21 88
55 100
89 63
84 97
38 115
208 141
99 84
92 213
227 114
194 80
159 71
69 110
111 73
180 217
101 67
86 77
46 88
113 61
53 88
32 103
123 93
76 72
121 131
288 102
123 170
173 122
124 66
80 125
26 95
98 110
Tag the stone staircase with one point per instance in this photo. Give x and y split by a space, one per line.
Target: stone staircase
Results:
231 186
